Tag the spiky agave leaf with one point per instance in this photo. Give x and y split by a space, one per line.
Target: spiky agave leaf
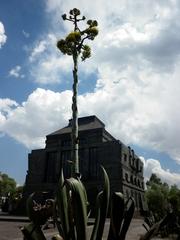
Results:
102 203
62 207
85 194
79 207
57 218
29 207
57 237
117 214
129 212
32 232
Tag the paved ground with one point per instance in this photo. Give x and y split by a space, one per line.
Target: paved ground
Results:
10 229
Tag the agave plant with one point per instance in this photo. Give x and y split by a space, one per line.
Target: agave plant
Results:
71 216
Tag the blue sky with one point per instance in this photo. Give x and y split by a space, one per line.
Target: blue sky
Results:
131 82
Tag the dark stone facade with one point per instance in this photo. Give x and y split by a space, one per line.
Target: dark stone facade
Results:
97 147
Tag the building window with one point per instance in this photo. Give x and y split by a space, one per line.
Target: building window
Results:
93 162
139 184
82 141
125 157
131 180
66 143
132 193
50 168
83 164
136 181
136 199
65 163
133 162
130 160
127 177
127 194
137 164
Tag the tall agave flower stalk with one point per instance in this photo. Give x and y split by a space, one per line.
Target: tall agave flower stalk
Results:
74 46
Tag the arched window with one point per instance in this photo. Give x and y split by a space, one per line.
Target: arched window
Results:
127 194
131 179
135 181
50 168
127 177
139 184
93 163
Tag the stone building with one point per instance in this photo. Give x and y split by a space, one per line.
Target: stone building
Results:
97 147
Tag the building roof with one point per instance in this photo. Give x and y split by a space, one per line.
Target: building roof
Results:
85 123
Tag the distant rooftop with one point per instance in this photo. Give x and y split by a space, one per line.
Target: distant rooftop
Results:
85 123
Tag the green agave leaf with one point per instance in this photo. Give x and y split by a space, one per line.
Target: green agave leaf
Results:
62 208
29 207
117 215
33 232
56 218
152 231
102 203
57 237
79 207
86 200
98 214
129 212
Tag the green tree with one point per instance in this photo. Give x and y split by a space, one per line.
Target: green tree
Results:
153 180
174 195
157 196
74 46
7 185
160 196
157 199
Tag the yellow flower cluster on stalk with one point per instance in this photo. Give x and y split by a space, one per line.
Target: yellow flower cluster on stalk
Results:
74 41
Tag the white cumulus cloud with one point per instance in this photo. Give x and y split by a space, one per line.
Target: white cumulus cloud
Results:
47 65
154 166
43 112
26 34
3 36
38 49
137 60
6 107
129 114
16 72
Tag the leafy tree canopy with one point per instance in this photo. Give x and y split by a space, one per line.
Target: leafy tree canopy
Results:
159 196
7 185
153 180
